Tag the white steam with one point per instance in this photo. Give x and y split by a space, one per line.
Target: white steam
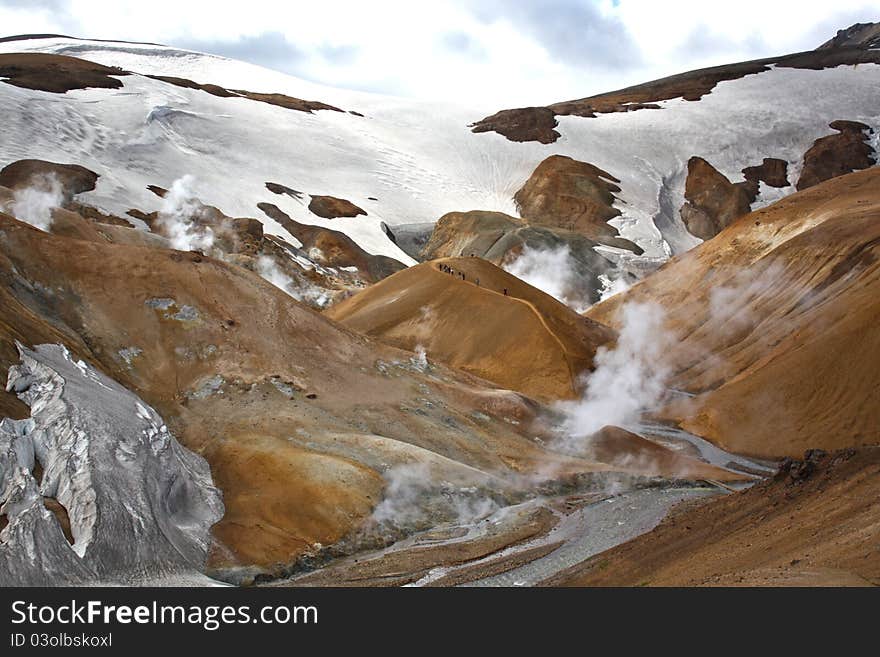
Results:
629 378
612 283
34 204
415 498
305 293
179 208
552 271
420 360
732 306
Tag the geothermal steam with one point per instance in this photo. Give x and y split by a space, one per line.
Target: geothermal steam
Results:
551 271
34 204
414 499
305 293
629 377
179 208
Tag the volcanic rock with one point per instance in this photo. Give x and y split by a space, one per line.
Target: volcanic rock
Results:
575 196
56 73
713 202
488 323
837 154
330 207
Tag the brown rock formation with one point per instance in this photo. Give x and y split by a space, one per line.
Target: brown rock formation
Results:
279 100
213 89
330 207
523 124
523 339
576 196
500 239
773 323
713 202
277 188
772 171
837 154
56 73
334 249
73 178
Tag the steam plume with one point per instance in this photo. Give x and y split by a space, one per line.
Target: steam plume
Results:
34 204
551 271
179 208
629 377
305 293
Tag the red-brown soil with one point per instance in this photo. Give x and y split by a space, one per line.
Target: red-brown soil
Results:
815 524
523 340
774 323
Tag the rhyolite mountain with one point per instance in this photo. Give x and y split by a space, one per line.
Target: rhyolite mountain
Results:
225 362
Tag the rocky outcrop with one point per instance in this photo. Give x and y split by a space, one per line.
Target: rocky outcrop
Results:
330 207
332 248
72 179
140 506
537 123
772 171
501 239
575 196
713 202
278 188
858 35
837 154
522 124
57 73
279 100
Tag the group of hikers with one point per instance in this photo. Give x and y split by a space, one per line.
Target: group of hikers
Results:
446 269
449 270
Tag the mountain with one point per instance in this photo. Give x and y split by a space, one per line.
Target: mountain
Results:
311 431
807 526
772 323
212 287
236 127
476 317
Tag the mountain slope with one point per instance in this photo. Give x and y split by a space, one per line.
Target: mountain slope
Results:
773 323
814 524
488 323
418 160
312 432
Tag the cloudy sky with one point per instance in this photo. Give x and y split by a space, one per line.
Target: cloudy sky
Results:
497 52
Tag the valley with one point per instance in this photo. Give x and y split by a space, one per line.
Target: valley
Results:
261 332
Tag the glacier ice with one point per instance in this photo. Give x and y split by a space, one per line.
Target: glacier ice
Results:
140 505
